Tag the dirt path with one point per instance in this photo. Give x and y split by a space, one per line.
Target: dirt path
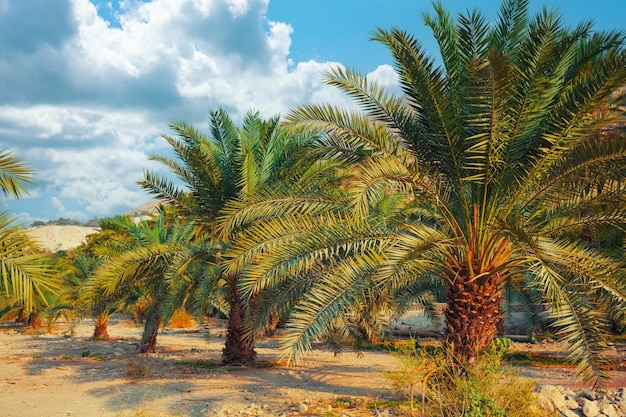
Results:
54 375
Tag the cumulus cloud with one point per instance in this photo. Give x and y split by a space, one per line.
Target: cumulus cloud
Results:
385 76
62 212
84 98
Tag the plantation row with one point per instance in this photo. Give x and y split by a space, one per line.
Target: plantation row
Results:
499 171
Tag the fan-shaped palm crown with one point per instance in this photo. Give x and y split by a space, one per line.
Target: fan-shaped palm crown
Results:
496 159
230 163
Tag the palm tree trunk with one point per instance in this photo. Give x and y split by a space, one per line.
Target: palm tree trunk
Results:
101 328
239 350
21 316
473 313
34 321
151 329
273 324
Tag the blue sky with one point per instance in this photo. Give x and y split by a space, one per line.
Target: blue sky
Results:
87 87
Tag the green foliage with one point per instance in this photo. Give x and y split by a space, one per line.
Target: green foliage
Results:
27 278
500 346
412 372
449 388
227 164
148 262
14 175
493 167
61 221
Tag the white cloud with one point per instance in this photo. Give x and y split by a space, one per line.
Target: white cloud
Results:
84 100
62 212
386 77
41 123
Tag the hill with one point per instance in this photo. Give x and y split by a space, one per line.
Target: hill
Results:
54 238
64 234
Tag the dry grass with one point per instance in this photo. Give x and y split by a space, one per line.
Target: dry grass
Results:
137 368
181 319
436 384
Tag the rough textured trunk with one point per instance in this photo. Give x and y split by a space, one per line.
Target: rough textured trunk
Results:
101 328
473 314
239 350
271 327
474 299
151 329
34 321
21 316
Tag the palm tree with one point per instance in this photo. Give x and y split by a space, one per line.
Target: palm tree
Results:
77 269
227 165
26 275
490 153
144 262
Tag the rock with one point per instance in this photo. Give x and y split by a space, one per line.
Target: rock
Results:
553 398
303 408
569 393
590 408
577 412
588 394
608 410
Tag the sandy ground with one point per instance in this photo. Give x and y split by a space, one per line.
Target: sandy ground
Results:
56 375
47 375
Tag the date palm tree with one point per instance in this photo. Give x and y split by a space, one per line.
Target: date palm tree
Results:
78 296
26 274
225 166
145 261
490 152
76 269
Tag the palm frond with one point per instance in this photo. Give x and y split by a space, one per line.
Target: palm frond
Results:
26 274
14 174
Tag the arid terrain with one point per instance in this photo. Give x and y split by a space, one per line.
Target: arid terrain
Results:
58 375
55 238
65 373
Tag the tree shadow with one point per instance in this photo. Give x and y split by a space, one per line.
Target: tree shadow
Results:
184 376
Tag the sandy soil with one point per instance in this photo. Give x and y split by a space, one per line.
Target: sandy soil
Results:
47 375
57 375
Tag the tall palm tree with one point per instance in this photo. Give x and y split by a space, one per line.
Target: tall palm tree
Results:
25 272
225 166
491 150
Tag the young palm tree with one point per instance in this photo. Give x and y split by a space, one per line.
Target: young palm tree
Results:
78 268
491 153
227 165
145 262
25 272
